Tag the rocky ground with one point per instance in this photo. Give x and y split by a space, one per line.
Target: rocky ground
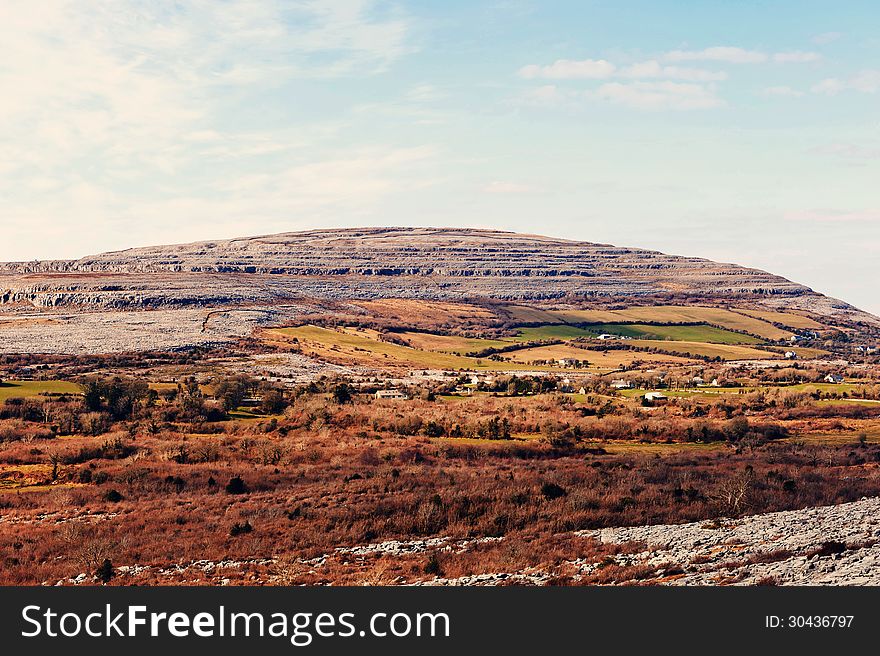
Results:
831 545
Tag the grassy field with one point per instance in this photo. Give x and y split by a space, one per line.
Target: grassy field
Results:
784 318
428 313
551 332
723 351
601 360
526 314
670 314
16 389
362 346
703 333
450 343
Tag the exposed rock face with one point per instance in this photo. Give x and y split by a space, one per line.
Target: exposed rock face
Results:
831 545
260 280
371 263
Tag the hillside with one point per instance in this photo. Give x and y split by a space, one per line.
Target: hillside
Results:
372 262
265 280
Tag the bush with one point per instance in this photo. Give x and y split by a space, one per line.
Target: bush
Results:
113 496
240 529
236 486
105 572
433 566
552 491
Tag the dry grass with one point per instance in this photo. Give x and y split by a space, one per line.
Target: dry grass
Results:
723 351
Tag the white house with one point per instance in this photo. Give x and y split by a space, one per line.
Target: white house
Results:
790 355
622 384
390 394
834 378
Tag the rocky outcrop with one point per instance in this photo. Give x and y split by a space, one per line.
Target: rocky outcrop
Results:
375 263
830 545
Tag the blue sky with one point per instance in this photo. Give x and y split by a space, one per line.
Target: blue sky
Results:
739 131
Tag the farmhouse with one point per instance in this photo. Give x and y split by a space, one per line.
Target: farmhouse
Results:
655 398
834 378
622 384
790 355
390 394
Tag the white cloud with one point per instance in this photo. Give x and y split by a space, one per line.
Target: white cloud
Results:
796 57
826 37
653 69
852 151
734 55
728 54
547 95
867 81
834 216
653 96
502 187
782 91
129 108
567 69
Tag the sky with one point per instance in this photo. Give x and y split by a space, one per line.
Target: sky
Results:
743 132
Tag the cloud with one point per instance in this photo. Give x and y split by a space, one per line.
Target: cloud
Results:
796 57
827 37
567 69
133 107
834 216
654 96
850 151
728 54
653 69
733 55
867 81
782 91
502 187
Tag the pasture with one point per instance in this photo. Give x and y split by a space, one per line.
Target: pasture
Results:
733 320
700 349
22 389
699 333
788 319
609 360
364 347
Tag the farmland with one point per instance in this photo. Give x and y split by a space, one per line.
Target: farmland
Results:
699 333
700 349
660 314
28 388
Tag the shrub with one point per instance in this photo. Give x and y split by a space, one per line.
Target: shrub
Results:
433 566
240 529
552 491
105 571
236 485
113 496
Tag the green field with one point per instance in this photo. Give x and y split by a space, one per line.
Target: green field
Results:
538 333
20 389
723 351
702 333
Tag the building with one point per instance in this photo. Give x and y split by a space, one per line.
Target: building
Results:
622 384
655 398
696 380
834 378
391 394
790 355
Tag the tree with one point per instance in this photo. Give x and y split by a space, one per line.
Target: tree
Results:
271 399
342 394
232 391
105 571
